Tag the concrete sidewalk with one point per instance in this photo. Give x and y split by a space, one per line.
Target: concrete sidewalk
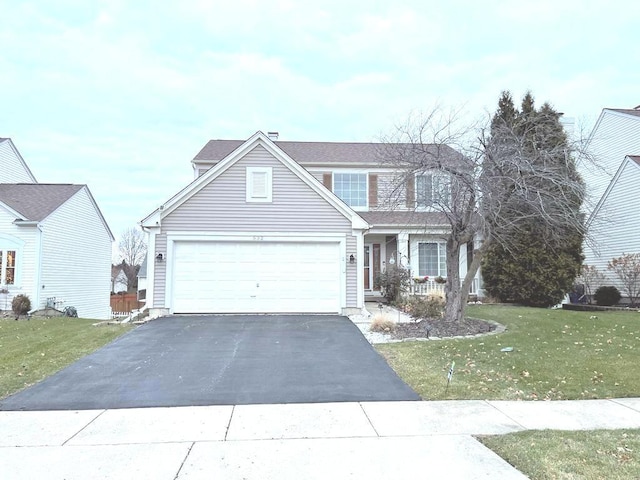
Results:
369 440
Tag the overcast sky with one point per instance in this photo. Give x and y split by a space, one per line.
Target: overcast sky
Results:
121 95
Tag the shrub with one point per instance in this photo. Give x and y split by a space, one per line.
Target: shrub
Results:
20 305
607 295
431 306
393 281
382 323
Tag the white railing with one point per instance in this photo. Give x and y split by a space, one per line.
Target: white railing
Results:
426 288
120 314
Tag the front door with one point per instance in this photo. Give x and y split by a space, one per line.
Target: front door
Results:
368 270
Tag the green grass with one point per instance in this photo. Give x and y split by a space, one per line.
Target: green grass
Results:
561 455
558 354
31 350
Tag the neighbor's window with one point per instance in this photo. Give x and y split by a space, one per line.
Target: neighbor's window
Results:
432 259
8 267
351 188
432 189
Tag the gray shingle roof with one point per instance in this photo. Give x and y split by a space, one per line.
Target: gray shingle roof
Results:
36 201
406 219
310 153
629 111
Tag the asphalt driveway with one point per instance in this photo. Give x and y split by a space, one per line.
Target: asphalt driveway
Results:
222 360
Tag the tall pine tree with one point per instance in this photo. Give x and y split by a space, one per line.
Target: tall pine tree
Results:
535 264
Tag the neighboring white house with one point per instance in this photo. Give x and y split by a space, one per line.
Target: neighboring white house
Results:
55 245
274 226
613 215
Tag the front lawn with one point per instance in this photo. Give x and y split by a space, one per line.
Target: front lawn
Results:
557 354
550 454
31 350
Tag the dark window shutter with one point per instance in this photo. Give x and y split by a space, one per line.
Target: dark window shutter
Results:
327 180
411 192
373 190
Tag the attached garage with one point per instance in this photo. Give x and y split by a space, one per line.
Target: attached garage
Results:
258 276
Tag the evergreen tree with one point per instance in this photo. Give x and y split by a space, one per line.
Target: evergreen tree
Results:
536 264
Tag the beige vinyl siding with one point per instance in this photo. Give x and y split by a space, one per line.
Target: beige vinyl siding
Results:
27 239
76 258
160 271
352 282
221 205
616 226
615 136
12 169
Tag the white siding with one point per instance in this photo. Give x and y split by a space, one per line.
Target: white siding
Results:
27 257
76 258
12 167
615 136
221 207
616 226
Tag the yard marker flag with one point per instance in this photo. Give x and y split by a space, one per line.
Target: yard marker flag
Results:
450 375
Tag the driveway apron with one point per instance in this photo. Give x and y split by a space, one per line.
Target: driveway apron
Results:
222 360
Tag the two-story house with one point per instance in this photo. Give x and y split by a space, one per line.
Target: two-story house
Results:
274 226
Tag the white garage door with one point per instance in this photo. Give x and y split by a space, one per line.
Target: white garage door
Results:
256 277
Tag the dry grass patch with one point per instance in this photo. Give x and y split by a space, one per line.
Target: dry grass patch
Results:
382 323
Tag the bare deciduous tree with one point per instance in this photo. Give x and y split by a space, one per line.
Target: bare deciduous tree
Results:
133 249
627 269
495 185
591 278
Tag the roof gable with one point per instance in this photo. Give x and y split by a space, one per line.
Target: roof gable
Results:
22 163
36 201
633 161
258 139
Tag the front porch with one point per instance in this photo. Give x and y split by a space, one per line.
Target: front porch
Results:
423 254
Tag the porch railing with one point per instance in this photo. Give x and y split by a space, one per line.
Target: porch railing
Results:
428 287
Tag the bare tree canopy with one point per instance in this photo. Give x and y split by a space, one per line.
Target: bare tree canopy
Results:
490 185
133 250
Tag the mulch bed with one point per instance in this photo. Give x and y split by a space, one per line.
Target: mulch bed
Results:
442 328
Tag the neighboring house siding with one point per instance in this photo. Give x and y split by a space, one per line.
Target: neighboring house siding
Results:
76 258
12 169
615 228
221 207
27 257
614 137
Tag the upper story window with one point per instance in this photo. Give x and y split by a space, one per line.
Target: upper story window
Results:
7 267
351 188
259 184
432 189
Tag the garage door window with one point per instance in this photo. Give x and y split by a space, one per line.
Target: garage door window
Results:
259 184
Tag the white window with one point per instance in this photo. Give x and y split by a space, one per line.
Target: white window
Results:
432 189
432 259
7 267
259 184
351 188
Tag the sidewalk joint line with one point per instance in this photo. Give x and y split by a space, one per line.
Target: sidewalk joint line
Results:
368 419
83 428
183 461
229 424
488 402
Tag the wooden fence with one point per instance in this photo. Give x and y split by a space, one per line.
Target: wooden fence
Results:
125 302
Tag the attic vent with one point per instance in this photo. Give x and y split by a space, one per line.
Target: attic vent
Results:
273 135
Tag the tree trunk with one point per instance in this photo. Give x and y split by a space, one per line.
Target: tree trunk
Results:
457 291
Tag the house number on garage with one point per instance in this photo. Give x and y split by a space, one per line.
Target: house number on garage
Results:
258 239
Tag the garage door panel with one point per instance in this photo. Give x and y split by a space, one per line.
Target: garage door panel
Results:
262 277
